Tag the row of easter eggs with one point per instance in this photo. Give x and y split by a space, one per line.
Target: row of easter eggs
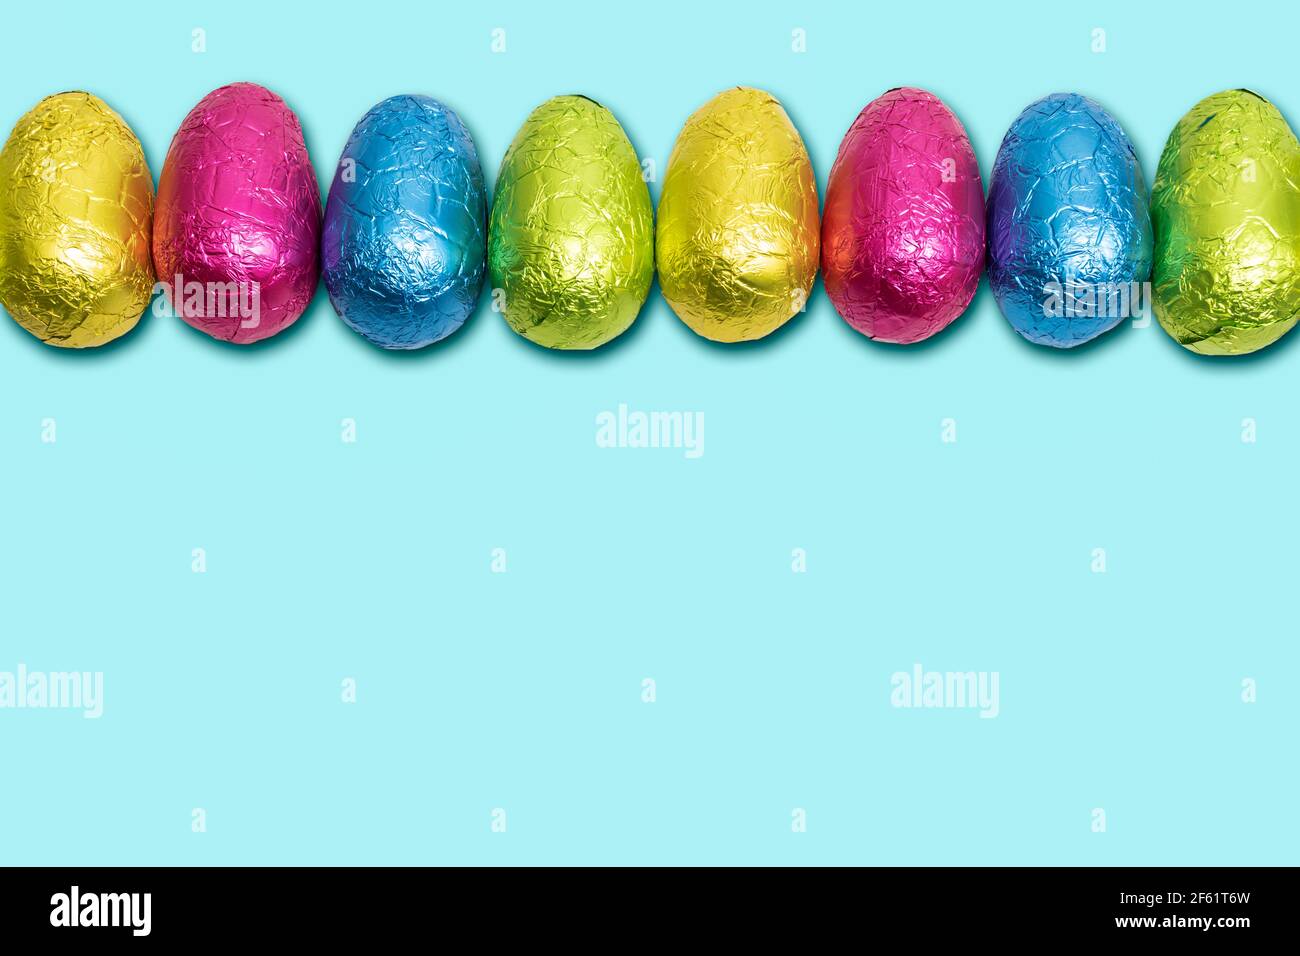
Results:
572 245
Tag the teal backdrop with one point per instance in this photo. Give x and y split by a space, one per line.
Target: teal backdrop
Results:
484 697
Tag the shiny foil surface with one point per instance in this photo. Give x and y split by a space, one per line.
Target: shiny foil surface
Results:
571 240
1067 221
405 238
238 203
738 236
903 228
76 208
1226 211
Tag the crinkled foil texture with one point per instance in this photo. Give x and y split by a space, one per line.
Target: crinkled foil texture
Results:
238 203
738 236
405 238
1067 205
903 229
571 240
76 208
1226 211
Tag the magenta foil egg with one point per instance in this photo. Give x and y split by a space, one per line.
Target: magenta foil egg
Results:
236 241
903 228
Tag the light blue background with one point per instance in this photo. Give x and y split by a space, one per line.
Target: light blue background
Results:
522 690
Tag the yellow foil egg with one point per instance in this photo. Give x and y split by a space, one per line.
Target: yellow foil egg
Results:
738 237
76 211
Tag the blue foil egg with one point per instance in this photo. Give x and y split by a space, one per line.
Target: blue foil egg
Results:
1069 233
404 244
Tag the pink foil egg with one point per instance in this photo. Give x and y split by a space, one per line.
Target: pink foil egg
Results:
236 240
903 228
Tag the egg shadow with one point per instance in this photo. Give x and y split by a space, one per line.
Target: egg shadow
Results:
91 353
771 340
612 347
1227 363
1081 353
449 343
954 331
268 344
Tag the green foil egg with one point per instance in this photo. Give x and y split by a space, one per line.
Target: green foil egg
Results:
1225 209
571 236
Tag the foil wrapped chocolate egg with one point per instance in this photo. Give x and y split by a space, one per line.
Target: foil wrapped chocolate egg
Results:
738 235
1226 212
75 213
236 238
1069 233
405 236
903 229
571 238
